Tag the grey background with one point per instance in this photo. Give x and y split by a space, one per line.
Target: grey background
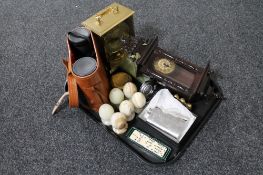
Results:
227 32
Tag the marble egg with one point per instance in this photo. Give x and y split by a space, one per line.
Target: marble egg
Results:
129 89
138 110
118 120
126 107
105 113
121 131
138 99
131 117
116 96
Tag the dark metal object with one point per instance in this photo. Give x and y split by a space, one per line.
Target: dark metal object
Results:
80 42
149 88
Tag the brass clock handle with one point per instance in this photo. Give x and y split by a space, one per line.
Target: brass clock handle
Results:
113 10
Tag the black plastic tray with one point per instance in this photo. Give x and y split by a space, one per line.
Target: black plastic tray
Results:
202 108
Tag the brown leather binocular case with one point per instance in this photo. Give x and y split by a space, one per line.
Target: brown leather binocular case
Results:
95 86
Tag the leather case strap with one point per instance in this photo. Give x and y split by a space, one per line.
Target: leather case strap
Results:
72 84
73 92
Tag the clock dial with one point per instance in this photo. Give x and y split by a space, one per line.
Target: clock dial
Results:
164 65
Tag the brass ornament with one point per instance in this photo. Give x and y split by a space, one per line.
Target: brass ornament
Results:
176 96
189 106
164 65
182 100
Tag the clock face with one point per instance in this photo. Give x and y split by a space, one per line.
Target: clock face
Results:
164 65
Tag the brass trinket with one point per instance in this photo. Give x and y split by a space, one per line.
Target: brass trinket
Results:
189 106
182 100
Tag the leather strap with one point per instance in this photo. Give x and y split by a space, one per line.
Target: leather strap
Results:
72 84
73 91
